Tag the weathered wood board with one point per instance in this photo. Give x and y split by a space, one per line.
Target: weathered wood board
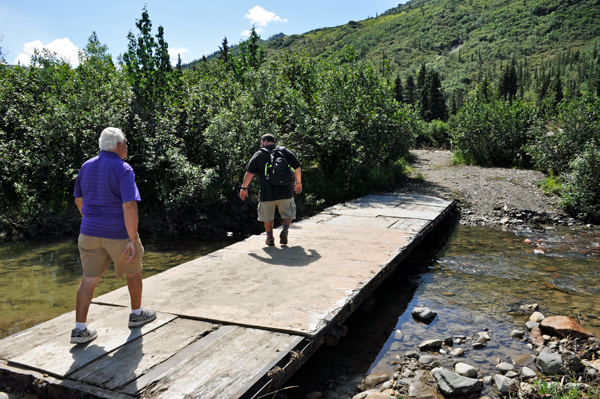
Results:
129 362
46 347
217 370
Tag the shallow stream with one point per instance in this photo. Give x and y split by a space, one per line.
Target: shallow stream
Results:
474 278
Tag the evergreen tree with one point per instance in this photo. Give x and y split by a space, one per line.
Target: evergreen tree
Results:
543 85
178 67
421 78
224 51
485 90
148 63
398 90
508 87
410 91
251 55
436 103
557 88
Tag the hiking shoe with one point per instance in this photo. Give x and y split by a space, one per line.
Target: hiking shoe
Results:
283 238
82 336
270 241
146 316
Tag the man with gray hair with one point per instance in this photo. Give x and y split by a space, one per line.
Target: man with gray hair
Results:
107 197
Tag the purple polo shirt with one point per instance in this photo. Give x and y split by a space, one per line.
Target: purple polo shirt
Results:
105 182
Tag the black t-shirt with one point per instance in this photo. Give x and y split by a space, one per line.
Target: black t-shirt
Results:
256 166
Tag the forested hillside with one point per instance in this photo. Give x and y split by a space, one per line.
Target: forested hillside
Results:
467 41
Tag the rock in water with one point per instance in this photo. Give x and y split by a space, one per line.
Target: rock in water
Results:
424 314
430 344
531 325
465 370
373 379
536 317
458 352
505 367
452 384
564 326
517 333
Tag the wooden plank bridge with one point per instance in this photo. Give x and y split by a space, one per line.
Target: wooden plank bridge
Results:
236 323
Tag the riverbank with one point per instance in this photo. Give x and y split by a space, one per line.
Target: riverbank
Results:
486 196
559 360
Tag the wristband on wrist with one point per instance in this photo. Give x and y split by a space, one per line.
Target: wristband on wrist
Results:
244 188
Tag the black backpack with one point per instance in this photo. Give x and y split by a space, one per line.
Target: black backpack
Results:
278 170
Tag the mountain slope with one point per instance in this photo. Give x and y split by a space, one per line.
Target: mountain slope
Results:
464 40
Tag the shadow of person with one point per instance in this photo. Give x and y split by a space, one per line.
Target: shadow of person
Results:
117 368
295 256
85 353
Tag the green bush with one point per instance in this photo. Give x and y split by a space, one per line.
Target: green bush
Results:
492 133
556 143
437 134
581 195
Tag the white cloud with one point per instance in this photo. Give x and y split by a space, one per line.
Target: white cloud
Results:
260 16
173 52
248 31
62 47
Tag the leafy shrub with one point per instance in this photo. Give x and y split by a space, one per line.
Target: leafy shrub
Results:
492 133
581 196
555 144
436 134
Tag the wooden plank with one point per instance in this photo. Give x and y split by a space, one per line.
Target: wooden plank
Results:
358 221
423 199
41 385
221 369
135 358
385 212
412 226
180 358
46 347
263 374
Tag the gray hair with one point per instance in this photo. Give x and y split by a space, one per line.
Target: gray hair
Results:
110 137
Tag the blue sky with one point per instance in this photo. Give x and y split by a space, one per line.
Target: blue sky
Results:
192 28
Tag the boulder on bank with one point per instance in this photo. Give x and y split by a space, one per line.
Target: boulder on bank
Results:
564 326
549 362
504 384
553 363
453 384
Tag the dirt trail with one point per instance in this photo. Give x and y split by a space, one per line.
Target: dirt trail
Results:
485 196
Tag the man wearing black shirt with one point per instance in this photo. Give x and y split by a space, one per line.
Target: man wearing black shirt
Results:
272 196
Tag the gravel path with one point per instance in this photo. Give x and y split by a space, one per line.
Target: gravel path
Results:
485 196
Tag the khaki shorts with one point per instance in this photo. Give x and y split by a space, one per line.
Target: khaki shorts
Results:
266 210
97 254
